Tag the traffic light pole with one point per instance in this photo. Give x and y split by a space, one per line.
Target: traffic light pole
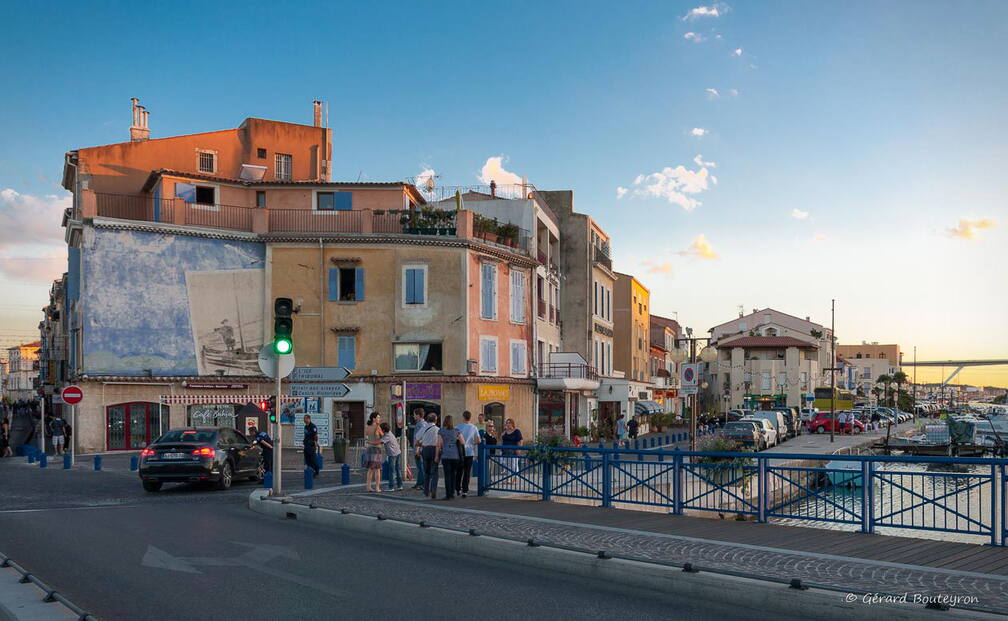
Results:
277 431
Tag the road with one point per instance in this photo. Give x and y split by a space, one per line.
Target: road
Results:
124 554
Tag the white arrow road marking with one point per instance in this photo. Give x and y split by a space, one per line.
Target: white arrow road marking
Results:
255 558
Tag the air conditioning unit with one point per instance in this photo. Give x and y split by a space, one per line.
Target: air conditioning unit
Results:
471 367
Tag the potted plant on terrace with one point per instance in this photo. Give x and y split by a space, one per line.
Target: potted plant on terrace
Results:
507 234
721 470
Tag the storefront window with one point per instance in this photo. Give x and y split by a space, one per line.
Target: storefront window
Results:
495 412
131 426
551 412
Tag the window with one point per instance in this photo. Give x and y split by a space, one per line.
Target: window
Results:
488 354
261 153
595 304
517 296
417 356
415 285
260 198
346 351
283 166
608 357
346 284
518 356
765 380
207 162
333 201
488 291
206 195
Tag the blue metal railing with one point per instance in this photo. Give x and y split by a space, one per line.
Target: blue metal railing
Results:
939 494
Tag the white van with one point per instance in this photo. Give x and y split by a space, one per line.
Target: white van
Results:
770 435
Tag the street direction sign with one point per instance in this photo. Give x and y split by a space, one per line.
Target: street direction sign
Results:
72 395
268 366
330 391
319 374
688 390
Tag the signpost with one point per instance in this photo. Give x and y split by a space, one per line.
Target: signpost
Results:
319 374
276 366
328 391
71 395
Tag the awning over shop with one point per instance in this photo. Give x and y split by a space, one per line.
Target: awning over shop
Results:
206 399
648 407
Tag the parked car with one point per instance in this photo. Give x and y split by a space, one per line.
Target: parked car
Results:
776 419
808 413
824 421
791 417
743 433
766 428
201 455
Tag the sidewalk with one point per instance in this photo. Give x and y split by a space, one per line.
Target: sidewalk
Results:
841 560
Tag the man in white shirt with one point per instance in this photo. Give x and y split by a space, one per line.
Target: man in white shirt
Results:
427 440
470 438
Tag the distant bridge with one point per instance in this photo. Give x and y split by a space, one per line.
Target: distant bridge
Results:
958 364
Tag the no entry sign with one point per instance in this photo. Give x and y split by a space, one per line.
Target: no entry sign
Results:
72 395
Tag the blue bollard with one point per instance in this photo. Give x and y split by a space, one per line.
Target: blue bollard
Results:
43 460
134 463
31 457
318 461
636 444
66 461
345 475
97 462
309 478
268 480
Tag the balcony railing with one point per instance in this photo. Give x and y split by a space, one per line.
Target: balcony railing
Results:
602 257
314 221
554 317
219 216
135 207
568 370
541 307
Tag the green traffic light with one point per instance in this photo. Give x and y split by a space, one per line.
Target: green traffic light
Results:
283 346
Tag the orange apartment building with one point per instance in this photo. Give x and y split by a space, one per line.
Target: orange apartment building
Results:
177 247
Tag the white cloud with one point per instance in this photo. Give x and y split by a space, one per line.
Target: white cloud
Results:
657 268
798 213
675 185
493 170
698 160
967 228
698 131
820 237
713 93
695 37
621 192
28 220
715 10
733 92
700 249
737 52
33 269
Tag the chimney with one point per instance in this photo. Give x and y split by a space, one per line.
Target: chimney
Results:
493 188
317 105
139 130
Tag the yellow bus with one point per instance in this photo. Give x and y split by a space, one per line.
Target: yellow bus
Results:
825 401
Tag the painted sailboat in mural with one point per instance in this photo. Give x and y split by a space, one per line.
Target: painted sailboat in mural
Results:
220 350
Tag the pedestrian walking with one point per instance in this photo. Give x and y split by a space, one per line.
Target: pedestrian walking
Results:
450 451
67 437
470 439
374 455
5 449
621 428
419 424
512 437
310 444
56 430
265 443
428 445
392 453
633 427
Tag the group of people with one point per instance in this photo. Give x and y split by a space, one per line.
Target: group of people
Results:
56 429
435 444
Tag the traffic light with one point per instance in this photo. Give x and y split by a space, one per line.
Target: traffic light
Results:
283 326
271 409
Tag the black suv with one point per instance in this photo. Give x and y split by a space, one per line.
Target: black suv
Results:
200 455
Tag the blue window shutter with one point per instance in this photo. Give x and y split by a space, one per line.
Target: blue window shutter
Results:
418 277
410 286
333 284
347 352
343 201
359 282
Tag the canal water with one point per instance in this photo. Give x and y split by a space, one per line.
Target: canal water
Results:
908 498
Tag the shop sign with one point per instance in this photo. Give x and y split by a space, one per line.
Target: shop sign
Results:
494 392
423 392
216 386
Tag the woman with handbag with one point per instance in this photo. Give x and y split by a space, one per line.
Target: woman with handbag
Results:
450 451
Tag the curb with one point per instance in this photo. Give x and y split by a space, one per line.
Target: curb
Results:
765 595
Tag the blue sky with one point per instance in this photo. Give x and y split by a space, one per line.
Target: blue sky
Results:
882 124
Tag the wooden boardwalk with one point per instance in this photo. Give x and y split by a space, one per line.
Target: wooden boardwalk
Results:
945 555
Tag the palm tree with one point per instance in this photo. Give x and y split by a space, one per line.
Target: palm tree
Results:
885 380
899 378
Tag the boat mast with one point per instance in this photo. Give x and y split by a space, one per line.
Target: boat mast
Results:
241 333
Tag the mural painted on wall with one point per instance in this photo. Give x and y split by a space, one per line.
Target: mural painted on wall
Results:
170 304
227 326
